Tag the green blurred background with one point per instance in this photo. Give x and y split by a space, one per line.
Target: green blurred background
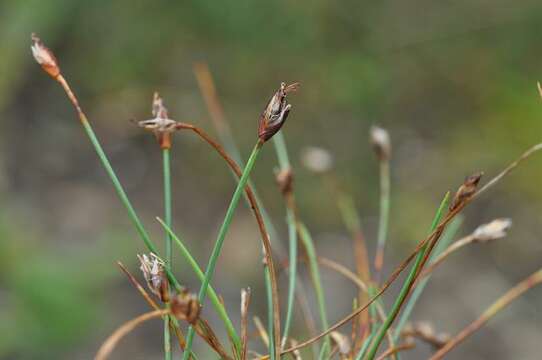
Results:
453 81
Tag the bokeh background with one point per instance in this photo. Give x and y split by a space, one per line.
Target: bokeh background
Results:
454 82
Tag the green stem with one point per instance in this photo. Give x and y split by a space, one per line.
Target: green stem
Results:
292 273
167 202
167 214
220 239
317 282
447 237
406 285
284 164
123 197
215 300
383 220
364 347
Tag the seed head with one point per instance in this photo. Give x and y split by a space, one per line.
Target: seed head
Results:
44 57
276 112
152 268
185 306
380 141
492 231
285 179
466 190
342 342
161 125
317 159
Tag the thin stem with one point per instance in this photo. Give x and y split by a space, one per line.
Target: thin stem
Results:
449 250
167 216
215 300
284 165
364 347
447 237
307 241
407 284
383 221
512 294
125 329
111 173
220 239
167 202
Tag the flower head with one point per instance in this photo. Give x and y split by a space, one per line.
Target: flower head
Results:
380 140
492 231
152 268
44 57
276 112
161 125
317 159
466 190
185 306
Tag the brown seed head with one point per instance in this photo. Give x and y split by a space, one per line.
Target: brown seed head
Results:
466 190
152 268
381 143
276 112
494 230
185 306
285 180
44 57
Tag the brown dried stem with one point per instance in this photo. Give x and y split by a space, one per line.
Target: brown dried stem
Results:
245 302
394 350
109 344
512 294
449 250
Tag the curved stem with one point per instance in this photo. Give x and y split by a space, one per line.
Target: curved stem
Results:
407 284
209 272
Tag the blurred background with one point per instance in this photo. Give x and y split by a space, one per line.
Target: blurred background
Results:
454 82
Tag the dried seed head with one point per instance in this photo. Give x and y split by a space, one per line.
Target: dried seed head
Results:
317 159
342 342
492 231
185 306
466 190
285 180
152 268
276 112
425 331
44 57
161 125
380 140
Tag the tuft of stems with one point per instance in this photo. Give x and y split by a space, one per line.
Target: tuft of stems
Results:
411 277
209 272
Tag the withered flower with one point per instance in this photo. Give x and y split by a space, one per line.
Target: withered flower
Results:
161 125
380 141
285 179
152 268
317 159
276 112
185 306
342 342
492 231
466 190
44 57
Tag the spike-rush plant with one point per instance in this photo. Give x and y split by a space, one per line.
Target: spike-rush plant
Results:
370 323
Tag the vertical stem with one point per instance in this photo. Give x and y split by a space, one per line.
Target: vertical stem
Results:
406 285
220 239
284 164
167 216
167 202
384 217
315 274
